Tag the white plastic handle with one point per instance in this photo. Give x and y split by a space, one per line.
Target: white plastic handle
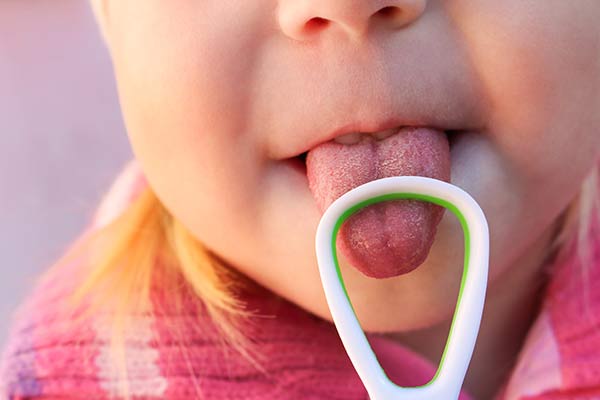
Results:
447 382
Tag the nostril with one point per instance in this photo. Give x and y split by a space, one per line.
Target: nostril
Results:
399 17
316 23
390 12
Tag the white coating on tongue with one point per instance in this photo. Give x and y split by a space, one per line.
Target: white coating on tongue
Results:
394 237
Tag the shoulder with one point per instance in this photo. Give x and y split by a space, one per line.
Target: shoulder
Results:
52 351
57 352
172 355
561 356
49 353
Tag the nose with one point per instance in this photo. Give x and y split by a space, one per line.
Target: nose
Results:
306 19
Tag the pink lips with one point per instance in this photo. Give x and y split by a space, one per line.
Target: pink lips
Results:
391 238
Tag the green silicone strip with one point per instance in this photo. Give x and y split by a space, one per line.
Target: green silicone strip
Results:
410 196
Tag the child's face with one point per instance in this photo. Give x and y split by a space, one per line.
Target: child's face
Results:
218 95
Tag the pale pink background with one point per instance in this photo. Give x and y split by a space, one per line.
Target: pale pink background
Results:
62 138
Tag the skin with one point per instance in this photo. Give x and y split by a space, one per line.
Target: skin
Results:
217 94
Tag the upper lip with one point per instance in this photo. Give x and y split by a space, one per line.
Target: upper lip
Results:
362 126
372 126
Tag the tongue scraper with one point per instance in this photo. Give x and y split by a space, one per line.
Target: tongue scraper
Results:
450 375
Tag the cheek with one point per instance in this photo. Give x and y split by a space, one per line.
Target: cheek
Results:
184 100
182 71
183 82
539 64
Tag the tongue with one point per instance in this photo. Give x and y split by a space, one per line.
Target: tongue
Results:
394 237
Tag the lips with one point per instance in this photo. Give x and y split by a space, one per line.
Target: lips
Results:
391 238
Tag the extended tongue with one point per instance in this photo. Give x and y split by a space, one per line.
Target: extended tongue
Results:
391 238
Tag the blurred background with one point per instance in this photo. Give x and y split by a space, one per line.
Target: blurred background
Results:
62 140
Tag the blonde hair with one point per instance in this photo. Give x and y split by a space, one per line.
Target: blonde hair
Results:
125 255
122 262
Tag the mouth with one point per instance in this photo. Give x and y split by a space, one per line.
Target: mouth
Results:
386 239
298 162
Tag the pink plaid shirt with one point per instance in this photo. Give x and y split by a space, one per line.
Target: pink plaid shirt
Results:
49 357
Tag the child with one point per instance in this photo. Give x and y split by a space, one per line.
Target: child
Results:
198 279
